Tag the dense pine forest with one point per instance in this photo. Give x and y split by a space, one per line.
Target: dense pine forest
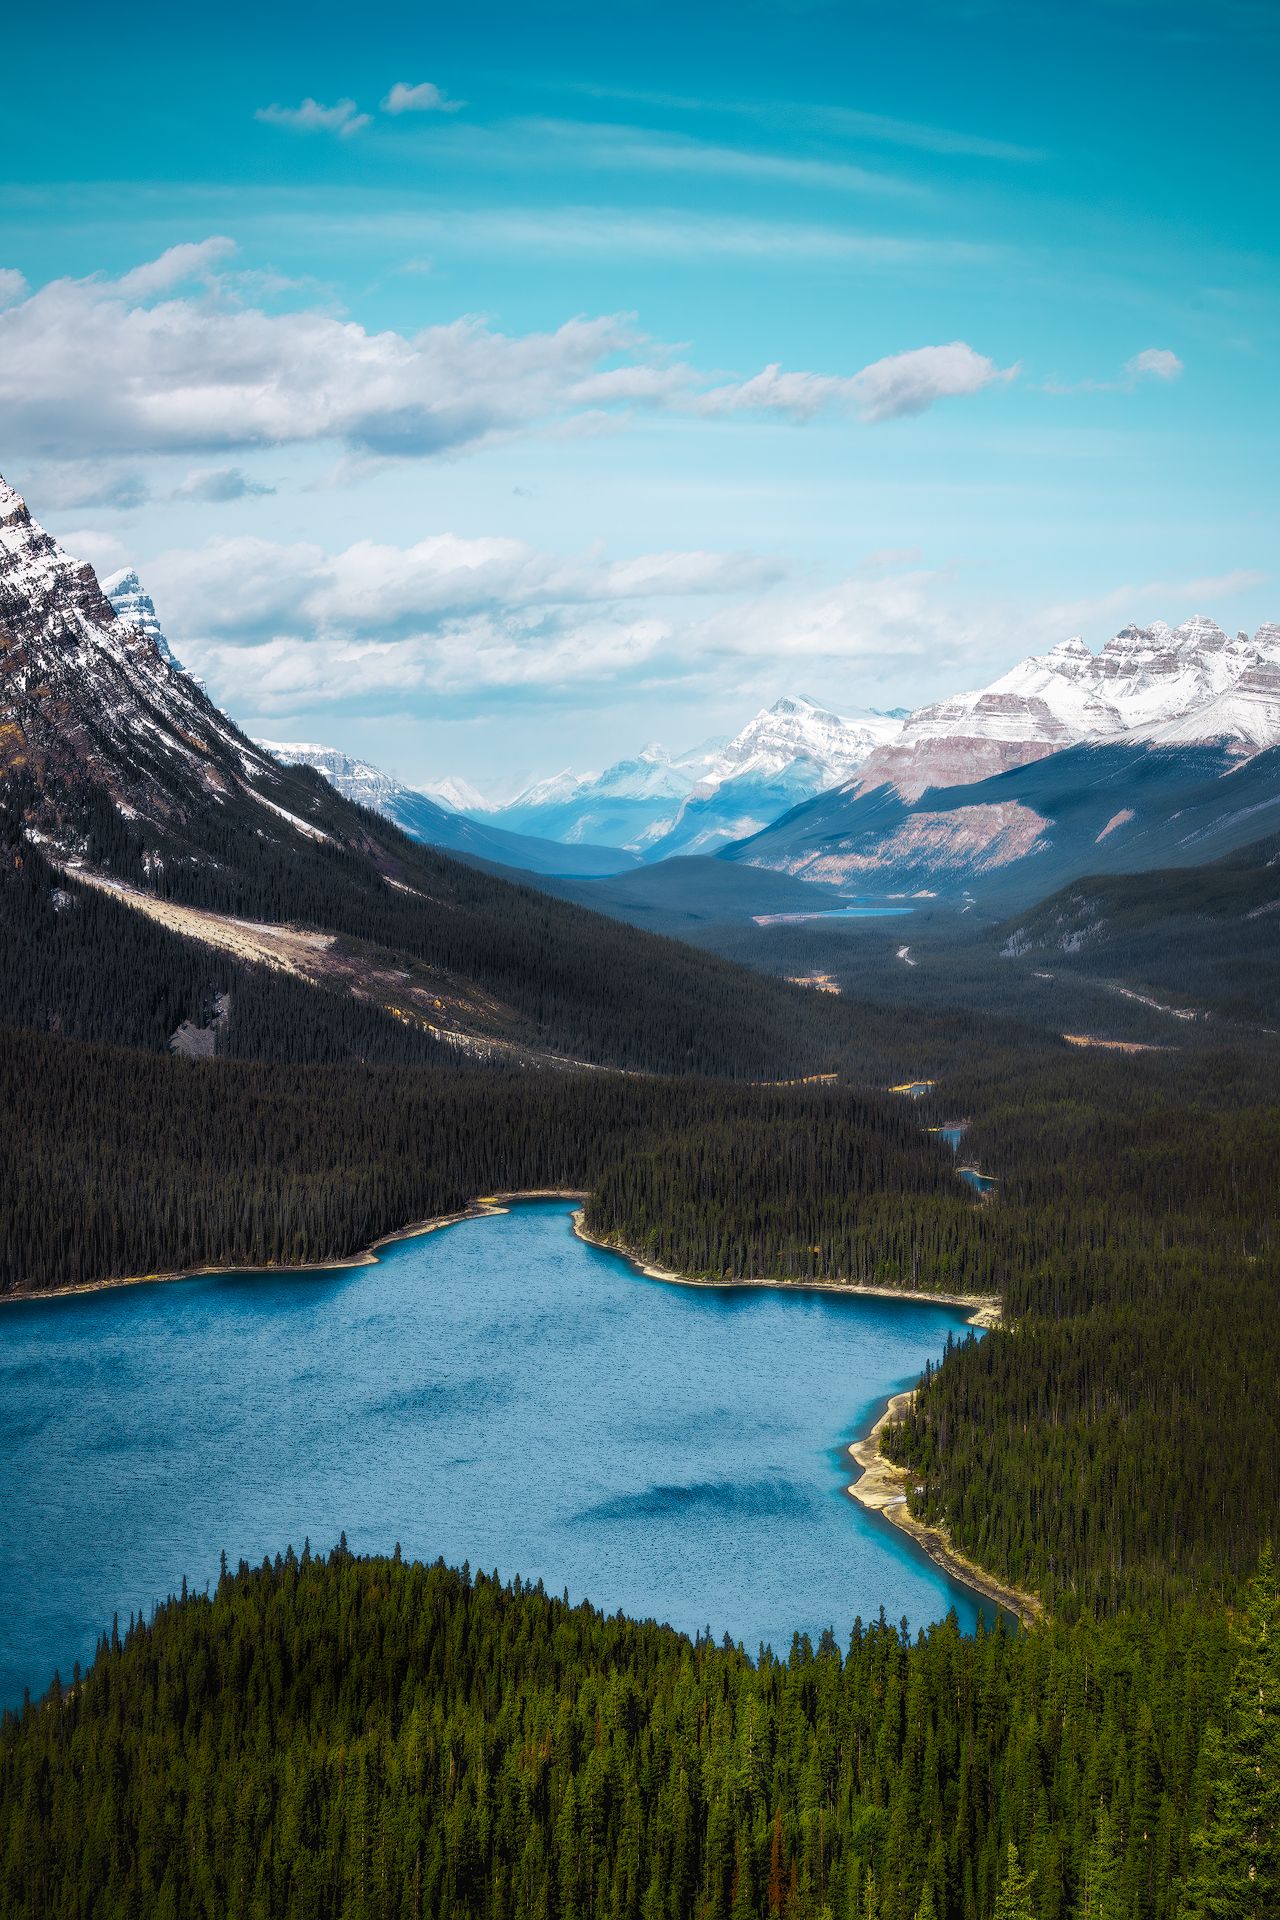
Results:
366 1740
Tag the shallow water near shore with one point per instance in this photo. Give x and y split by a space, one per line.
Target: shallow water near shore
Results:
499 1392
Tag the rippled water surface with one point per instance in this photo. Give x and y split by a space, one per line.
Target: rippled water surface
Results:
496 1392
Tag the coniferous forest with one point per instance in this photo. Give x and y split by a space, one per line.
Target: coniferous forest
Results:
339 1738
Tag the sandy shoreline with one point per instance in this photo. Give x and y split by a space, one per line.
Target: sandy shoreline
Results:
881 1488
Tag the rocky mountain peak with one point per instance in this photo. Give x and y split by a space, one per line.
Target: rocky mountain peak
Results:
13 508
134 605
88 700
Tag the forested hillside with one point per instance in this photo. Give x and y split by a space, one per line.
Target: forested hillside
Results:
131 1163
504 962
366 1740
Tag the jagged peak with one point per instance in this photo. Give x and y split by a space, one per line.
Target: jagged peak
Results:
14 511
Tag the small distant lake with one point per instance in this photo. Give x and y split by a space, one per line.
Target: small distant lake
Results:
980 1182
829 913
496 1392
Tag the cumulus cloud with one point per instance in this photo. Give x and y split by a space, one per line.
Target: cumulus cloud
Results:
242 589
98 367
12 285
90 364
217 484
903 383
425 97
275 626
278 627
1156 363
343 118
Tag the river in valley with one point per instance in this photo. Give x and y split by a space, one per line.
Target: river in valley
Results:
498 1392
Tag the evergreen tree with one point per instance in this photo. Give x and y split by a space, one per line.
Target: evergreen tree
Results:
1237 1865
1013 1902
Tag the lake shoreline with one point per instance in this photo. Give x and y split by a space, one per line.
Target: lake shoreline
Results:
481 1209
881 1488
881 1485
984 1308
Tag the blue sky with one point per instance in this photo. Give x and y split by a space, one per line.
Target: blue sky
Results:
488 389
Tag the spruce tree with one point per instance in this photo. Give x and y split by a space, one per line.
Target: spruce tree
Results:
1013 1902
1237 1851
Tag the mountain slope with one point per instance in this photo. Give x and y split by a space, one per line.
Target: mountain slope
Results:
121 769
1202 935
1017 837
436 825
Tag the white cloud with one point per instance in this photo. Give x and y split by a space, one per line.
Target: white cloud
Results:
274 626
903 383
217 484
93 367
343 118
243 588
1157 363
191 260
103 551
425 97
1153 363
12 285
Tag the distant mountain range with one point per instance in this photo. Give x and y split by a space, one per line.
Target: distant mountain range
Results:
1159 749
441 825
660 806
1171 685
1116 807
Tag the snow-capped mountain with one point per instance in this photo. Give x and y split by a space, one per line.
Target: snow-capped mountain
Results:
786 754
89 703
137 609
1143 681
456 793
660 804
618 807
357 780
425 819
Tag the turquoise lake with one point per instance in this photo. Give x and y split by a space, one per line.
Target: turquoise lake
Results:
496 1392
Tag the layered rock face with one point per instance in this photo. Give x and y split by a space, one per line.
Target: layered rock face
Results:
1144 682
